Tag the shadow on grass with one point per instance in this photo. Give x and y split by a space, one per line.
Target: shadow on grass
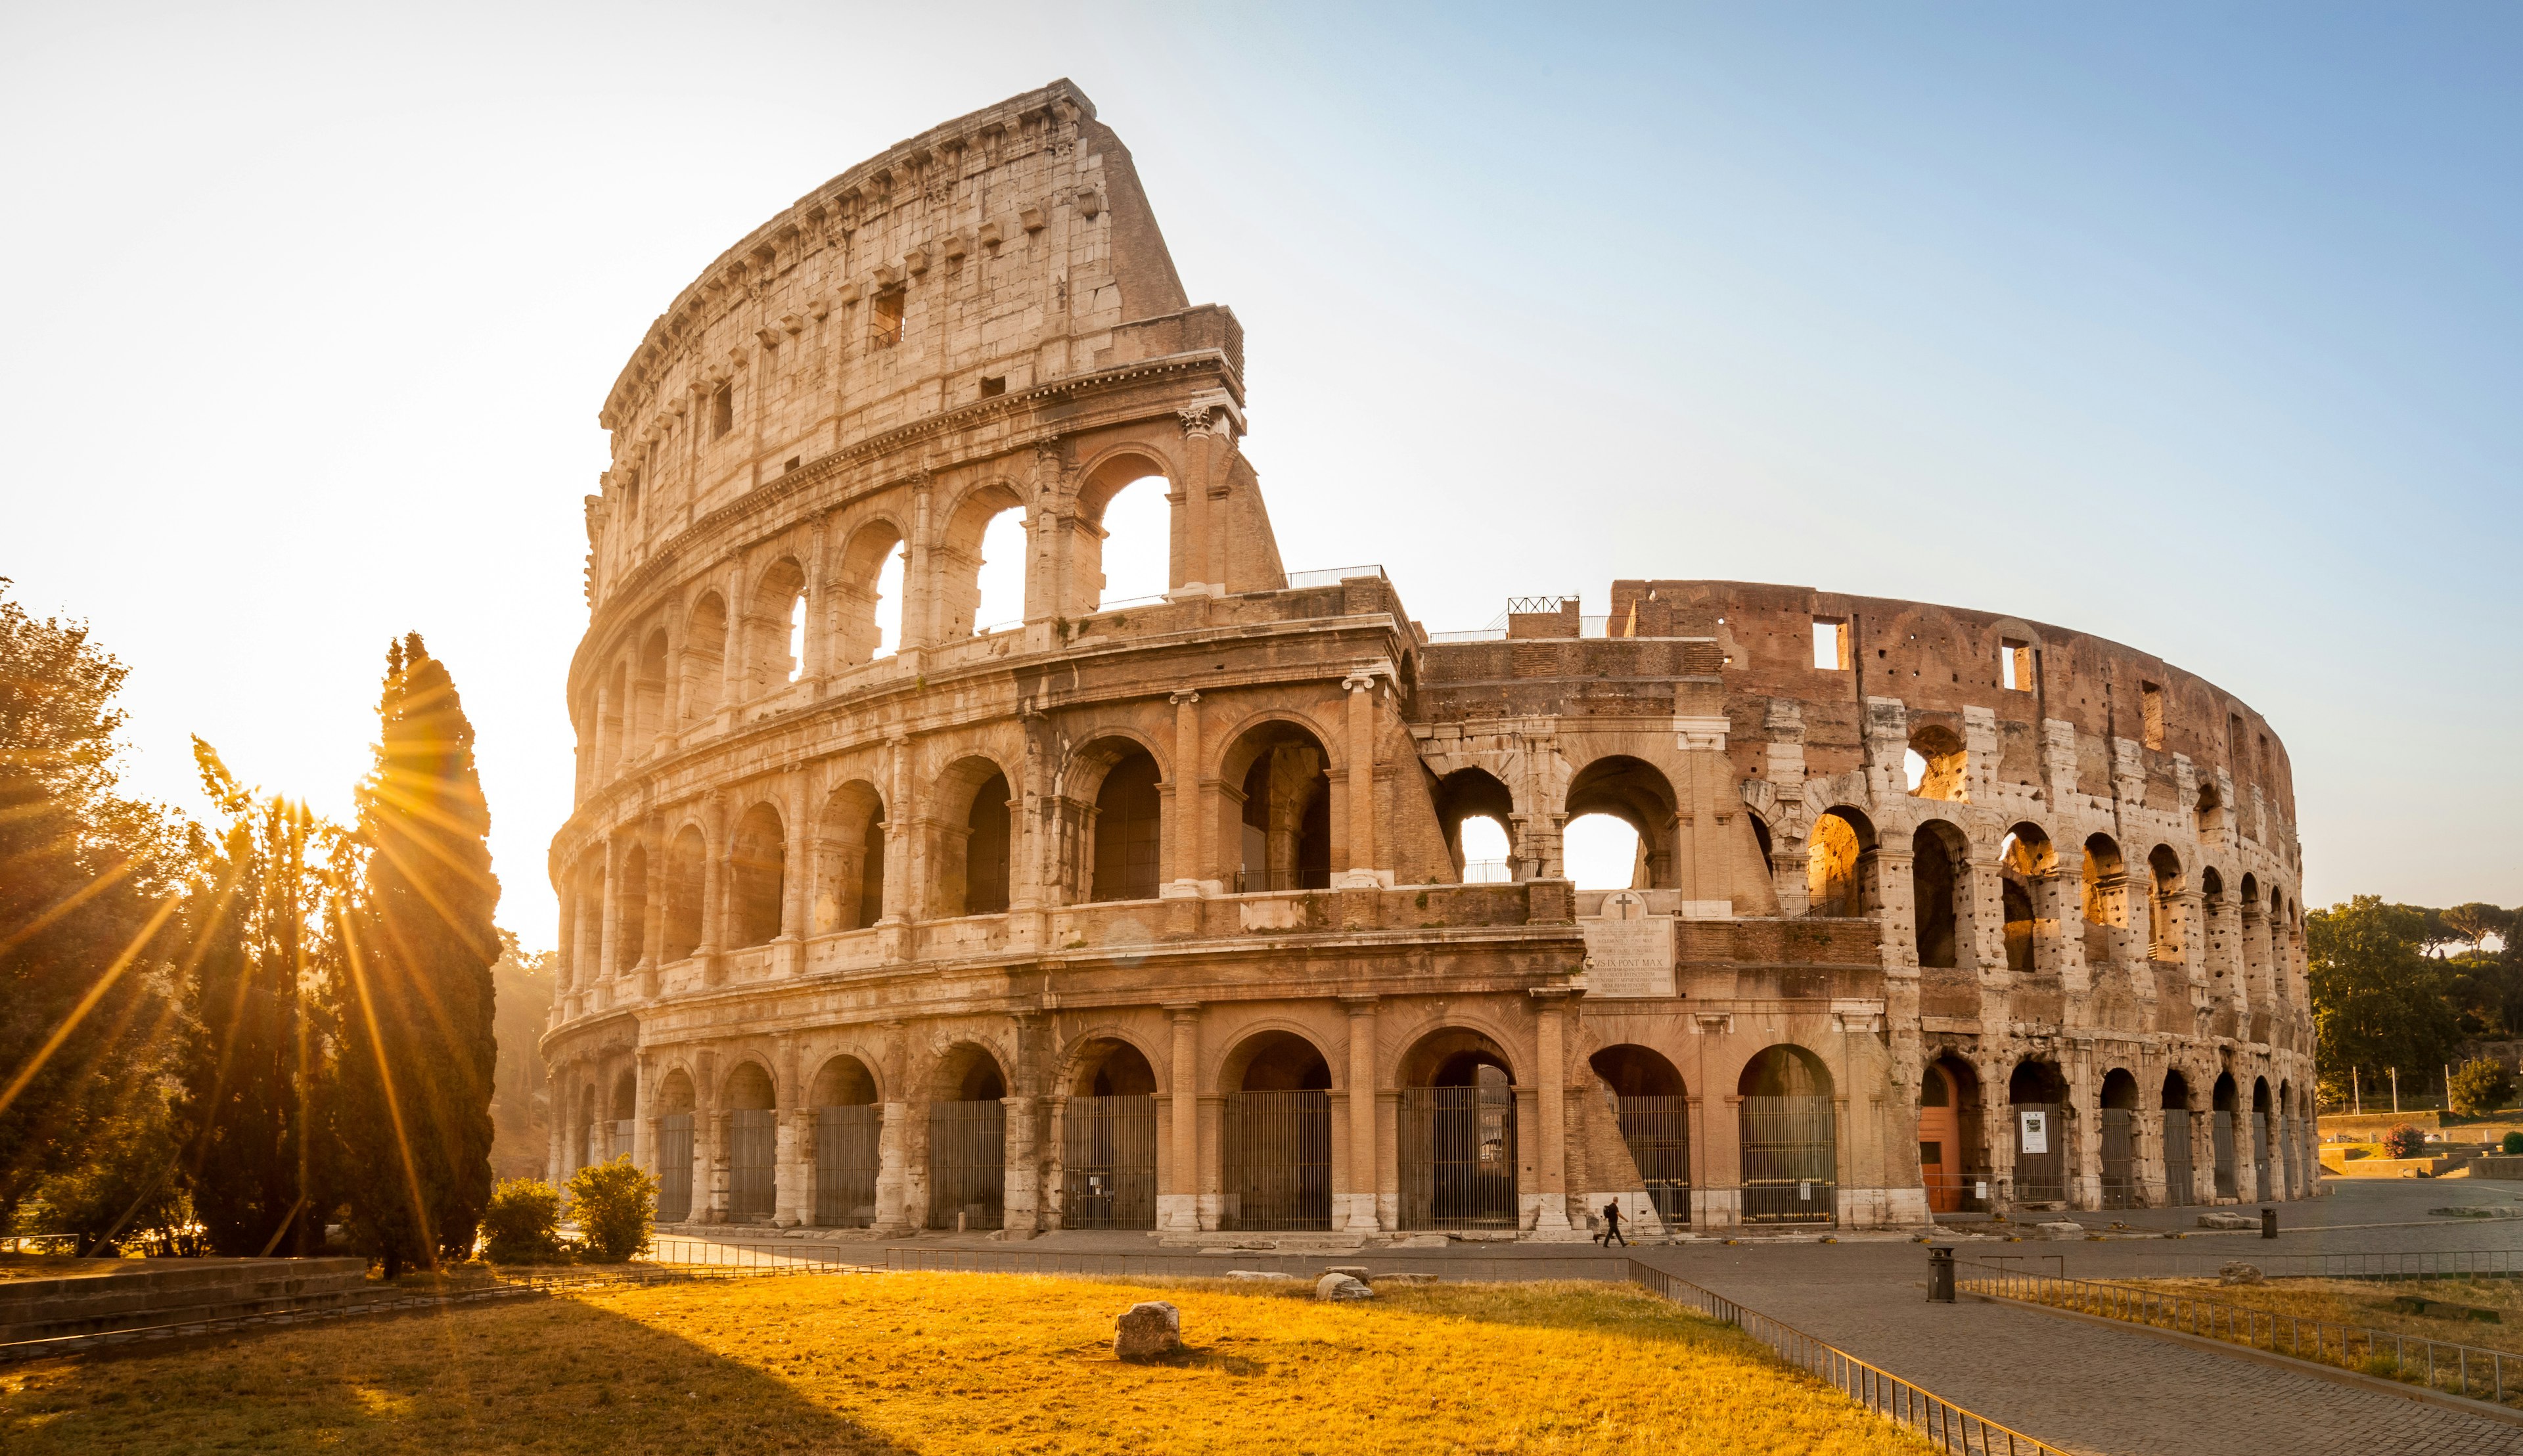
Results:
1192 1357
550 1376
1610 1308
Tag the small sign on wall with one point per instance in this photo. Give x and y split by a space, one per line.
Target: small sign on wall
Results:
1628 952
2036 1131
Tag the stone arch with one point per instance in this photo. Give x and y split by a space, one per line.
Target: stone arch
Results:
2207 812
1275 1148
1111 792
2025 861
2104 898
749 1087
1939 893
1099 482
773 619
675 1090
686 875
956 564
860 610
750 1100
1939 770
1109 1135
650 693
967 1138
1651 1107
1637 793
706 649
849 858
973 850
845 1120
626 1096
1109 1062
1788 1141
1839 865
2036 1095
2163 932
1471 793
1275 1058
1278 774
844 1080
630 943
1949 1129
1456 1130
757 862
1633 1071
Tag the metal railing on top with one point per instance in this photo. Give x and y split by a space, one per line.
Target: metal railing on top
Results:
2424 1264
1946 1425
1331 576
2469 1370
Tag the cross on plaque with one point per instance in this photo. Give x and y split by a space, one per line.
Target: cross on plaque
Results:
1625 905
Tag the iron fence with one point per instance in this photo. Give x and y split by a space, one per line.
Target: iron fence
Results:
1657 1130
2180 1184
1108 1162
674 1167
2431 1263
752 1163
1458 1158
2220 1136
2120 1157
967 1148
1946 1425
1278 1161
1791 1159
2041 1177
2467 1370
2261 1150
847 1151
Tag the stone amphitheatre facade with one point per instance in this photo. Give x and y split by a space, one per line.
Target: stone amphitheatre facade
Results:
1156 915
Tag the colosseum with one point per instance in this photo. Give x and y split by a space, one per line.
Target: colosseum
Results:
1158 914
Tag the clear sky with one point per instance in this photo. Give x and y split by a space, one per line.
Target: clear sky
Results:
2195 327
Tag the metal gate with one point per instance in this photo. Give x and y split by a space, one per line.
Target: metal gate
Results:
1278 1161
1657 1130
846 1155
621 1148
674 1167
2180 1184
2220 1132
2040 1154
2261 1152
967 1150
752 1159
1458 1158
1108 1162
2119 1158
1790 1160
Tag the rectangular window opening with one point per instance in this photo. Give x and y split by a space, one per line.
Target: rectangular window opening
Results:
993 385
887 318
1830 645
790 463
2014 661
2151 695
721 412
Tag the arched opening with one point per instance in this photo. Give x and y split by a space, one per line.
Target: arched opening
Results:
630 942
972 851
2105 897
584 1142
704 658
1789 1137
849 859
586 957
1457 1134
675 1149
1474 809
849 1129
2024 861
2282 1136
1619 805
1950 1163
616 722
774 625
973 593
648 695
1653 1112
2260 1137
752 1144
1284 823
1939 858
2222 1102
1126 854
1838 861
2163 933
968 1140
757 862
1935 762
2180 1182
867 595
1121 542
2037 1096
686 871
2210 810
1278 1135
2119 1139
1109 1140
624 1110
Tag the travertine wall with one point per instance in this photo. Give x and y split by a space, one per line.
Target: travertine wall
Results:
1168 861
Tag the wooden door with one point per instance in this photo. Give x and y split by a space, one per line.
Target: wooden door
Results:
1941 1142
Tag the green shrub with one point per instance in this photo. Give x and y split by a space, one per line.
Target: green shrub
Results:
2510 1145
616 1204
2479 1087
522 1224
2405 1141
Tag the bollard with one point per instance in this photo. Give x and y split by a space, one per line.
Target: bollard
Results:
2268 1222
1941 1274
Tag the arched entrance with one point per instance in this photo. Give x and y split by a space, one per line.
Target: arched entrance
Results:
675 1149
1791 1146
1278 1136
1654 1117
1285 834
1949 1164
2119 1140
2180 1181
1458 1134
2038 1096
849 1128
1108 1141
2220 1133
2260 1136
752 1146
967 1142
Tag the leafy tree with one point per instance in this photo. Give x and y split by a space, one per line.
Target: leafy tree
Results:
521 1225
2479 1087
90 884
2476 922
2378 999
417 1054
127 1186
616 1203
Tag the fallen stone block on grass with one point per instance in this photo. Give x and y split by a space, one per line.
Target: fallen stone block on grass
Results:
1342 1286
1402 1279
2240 1273
1146 1331
1260 1276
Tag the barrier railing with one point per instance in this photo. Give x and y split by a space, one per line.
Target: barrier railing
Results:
2430 1263
1946 1425
2469 1370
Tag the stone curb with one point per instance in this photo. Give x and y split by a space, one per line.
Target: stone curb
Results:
2336 1375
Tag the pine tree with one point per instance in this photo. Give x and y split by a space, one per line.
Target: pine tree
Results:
414 1003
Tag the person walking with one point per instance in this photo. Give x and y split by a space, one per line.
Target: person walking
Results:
1611 1225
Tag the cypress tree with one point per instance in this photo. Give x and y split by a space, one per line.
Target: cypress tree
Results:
417 1057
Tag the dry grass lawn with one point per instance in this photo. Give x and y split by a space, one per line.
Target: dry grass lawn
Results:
2368 1302
961 1363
